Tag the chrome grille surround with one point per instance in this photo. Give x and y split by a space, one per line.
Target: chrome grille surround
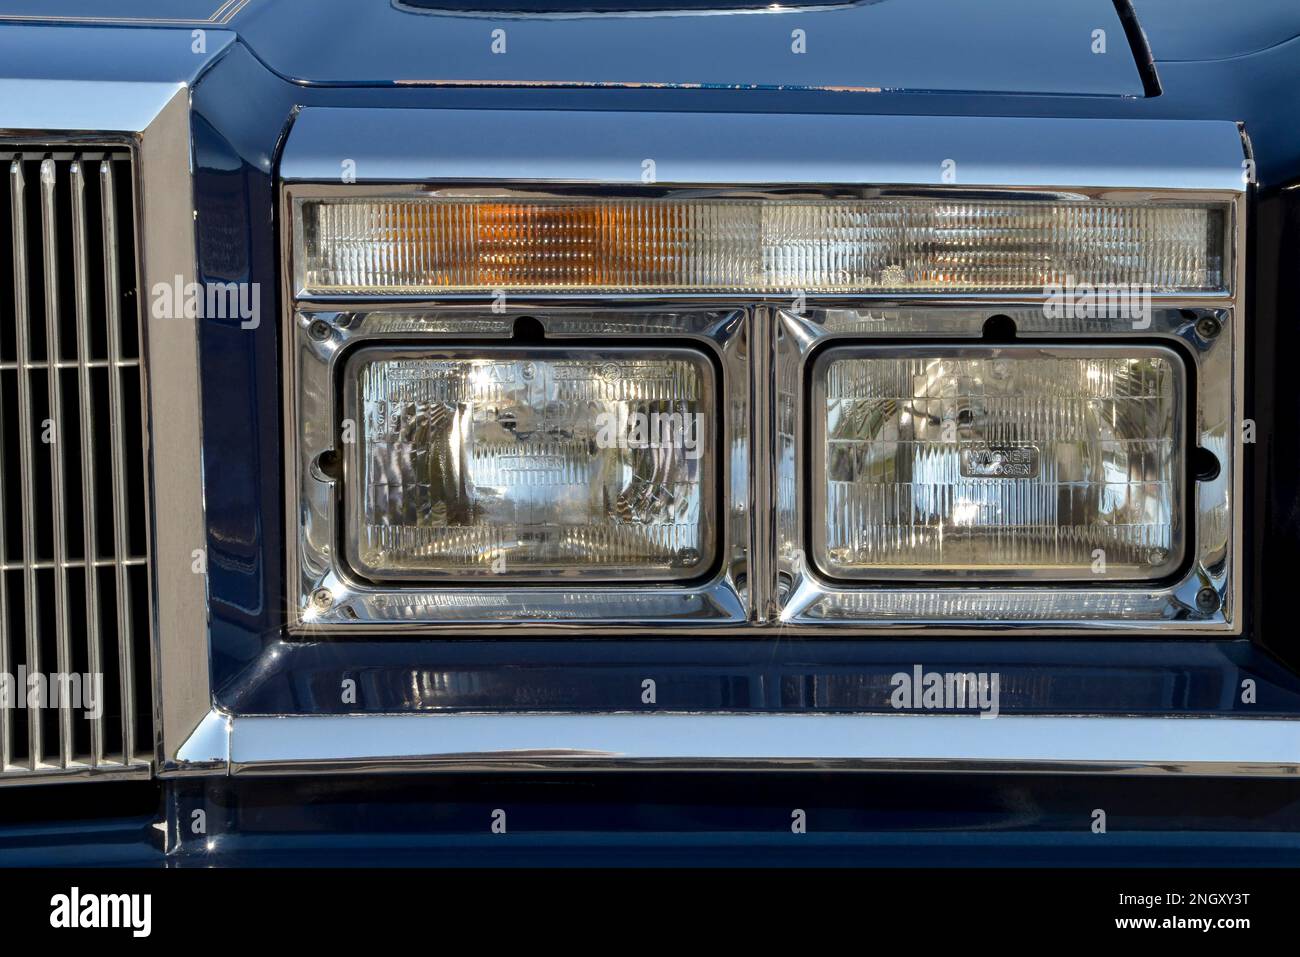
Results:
75 582
148 123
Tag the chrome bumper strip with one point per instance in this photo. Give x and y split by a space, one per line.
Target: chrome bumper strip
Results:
864 742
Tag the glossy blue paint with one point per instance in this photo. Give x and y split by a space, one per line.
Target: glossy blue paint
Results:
237 240
679 819
1213 30
673 819
1224 66
1037 676
1239 89
114 824
918 848
257 672
82 842
885 44
102 54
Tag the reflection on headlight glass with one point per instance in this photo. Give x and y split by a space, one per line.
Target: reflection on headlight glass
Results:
533 464
1062 463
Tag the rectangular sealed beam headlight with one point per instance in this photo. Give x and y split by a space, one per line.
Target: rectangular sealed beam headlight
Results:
426 245
1064 463
531 464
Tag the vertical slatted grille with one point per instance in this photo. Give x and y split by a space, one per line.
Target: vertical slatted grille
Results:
74 586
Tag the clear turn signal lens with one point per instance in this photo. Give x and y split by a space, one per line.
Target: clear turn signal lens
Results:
427 245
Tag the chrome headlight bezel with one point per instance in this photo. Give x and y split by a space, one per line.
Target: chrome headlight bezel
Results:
330 594
1203 596
765 580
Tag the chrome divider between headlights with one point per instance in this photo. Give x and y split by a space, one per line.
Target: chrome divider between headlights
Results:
762 579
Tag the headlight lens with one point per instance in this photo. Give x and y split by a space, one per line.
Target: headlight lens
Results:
1060 463
424 245
531 464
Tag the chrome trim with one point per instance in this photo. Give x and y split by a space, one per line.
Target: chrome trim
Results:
152 119
116 411
607 148
812 600
763 602
22 332
885 742
80 111
103 771
314 509
54 352
167 255
505 13
90 544
1235 551
364 744
222 15
62 176
6 722
205 751
568 154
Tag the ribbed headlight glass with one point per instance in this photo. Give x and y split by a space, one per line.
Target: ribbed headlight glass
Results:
1060 463
531 464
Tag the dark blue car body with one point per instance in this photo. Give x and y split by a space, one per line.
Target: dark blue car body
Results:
264 61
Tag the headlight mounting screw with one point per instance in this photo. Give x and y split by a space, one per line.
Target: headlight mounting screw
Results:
322 599
1207 601
1208 327
319 330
